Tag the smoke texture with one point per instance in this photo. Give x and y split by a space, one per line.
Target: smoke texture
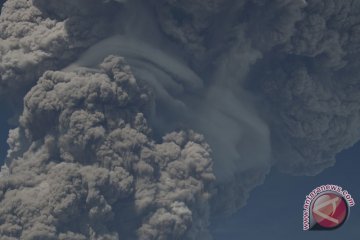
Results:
149 119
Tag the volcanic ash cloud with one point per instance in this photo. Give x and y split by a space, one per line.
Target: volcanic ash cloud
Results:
95 155
84 166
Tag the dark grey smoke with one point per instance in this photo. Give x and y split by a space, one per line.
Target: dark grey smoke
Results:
84 166
35 38
307 75
312 84
264 83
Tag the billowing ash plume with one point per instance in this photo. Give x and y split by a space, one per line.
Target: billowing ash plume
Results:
307 70
87 168
36 36
312 83
216 106
96 154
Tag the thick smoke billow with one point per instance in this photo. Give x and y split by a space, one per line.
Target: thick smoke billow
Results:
36 36
192 106
312 84
87 167
216 106
307 72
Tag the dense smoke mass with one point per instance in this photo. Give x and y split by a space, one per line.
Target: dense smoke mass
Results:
148 119
314 86
86 168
